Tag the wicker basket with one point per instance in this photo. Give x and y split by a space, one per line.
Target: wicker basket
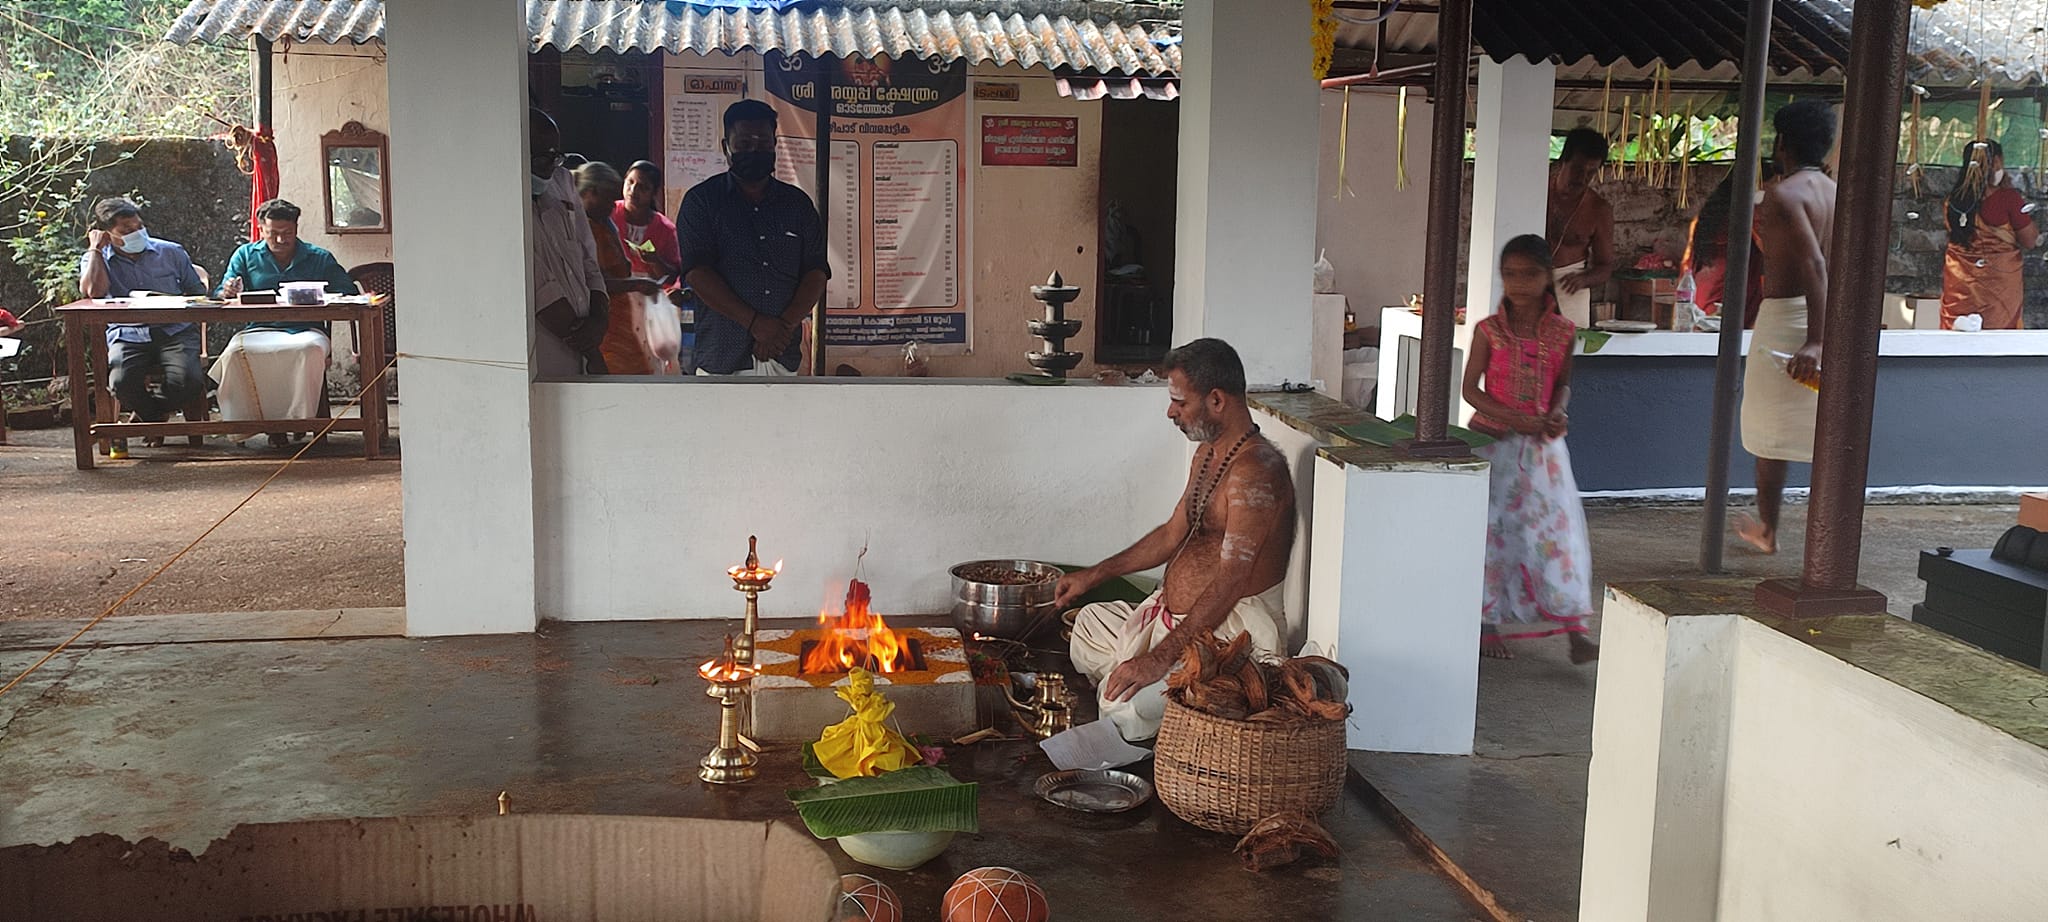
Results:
1226 775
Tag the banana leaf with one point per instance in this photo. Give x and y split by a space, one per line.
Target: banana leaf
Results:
813 767
1384 433
921 798
1590 341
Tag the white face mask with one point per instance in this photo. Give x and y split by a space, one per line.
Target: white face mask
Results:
135 241
1998 177
540 185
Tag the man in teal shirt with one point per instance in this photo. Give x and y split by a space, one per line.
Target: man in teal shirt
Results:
276 369
282 257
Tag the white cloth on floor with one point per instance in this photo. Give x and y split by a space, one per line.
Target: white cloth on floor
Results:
1576 306
271 374
1109 634
1778 413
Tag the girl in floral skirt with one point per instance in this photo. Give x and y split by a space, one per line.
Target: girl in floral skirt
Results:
1538 562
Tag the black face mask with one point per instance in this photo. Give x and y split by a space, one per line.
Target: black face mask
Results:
753 165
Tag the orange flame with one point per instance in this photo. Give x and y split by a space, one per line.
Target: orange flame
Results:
854 637
724 668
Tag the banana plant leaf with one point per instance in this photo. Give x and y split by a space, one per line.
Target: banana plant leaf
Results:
1590 341
921 798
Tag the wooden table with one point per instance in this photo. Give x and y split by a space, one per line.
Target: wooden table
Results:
94 411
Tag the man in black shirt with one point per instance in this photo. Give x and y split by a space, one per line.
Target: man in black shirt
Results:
754 252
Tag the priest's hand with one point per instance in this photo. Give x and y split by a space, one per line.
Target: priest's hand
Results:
1073 586
1805 363
1134 674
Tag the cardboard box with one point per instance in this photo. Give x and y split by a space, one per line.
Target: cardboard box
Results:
444 869
2034 511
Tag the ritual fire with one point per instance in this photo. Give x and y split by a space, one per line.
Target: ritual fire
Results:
858 637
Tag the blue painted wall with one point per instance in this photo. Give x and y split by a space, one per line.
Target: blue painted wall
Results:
1641 423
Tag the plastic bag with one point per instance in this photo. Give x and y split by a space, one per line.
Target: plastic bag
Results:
1326 274
662 334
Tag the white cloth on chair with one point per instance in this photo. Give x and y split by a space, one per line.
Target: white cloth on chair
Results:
271 374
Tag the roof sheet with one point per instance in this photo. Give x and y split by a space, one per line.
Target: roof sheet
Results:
1952 44
1084 35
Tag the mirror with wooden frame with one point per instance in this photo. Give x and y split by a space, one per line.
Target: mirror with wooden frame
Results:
357 180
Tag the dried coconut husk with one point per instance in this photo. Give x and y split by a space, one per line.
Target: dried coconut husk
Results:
1283 838
1189 670
1253 678
1234 655
1298 683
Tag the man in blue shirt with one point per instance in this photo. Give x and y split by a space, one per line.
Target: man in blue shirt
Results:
754 252
121 258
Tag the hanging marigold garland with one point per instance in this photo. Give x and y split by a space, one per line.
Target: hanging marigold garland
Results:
1323 36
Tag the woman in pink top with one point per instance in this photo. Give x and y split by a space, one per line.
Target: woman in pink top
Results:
1538 559
649 236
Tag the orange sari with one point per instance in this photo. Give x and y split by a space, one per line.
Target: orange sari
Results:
626 330
1984 279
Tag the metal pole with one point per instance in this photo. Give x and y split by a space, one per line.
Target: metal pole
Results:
1735 301
824 183
264 95
1440 253
1848 387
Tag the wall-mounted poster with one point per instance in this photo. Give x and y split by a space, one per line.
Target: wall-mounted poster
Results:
1030 140
899 193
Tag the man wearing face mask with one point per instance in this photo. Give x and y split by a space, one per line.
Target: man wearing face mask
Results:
569 294
1225 550
121 258
753 250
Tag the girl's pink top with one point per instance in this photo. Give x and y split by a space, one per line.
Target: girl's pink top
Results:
1523 373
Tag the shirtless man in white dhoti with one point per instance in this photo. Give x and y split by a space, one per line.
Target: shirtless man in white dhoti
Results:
1579 225
1225 550
1794 228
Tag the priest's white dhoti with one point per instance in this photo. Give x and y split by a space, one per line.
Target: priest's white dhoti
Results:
1108 634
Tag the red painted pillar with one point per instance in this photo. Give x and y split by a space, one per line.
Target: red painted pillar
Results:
1440 258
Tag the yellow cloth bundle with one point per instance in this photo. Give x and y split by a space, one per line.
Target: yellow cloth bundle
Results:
863 744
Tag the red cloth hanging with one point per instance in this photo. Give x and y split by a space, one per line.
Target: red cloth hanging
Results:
256 156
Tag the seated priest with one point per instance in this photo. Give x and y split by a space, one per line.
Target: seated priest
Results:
1225 549
276 369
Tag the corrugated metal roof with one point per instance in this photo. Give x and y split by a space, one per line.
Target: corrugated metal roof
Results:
1952 43
1084 35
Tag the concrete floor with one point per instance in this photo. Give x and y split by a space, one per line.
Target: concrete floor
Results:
184 741
181 727
1511 816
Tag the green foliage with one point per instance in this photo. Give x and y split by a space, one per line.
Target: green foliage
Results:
101 69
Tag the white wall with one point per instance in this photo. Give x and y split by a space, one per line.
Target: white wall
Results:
645 493
1739 773
1373 232
318 88
1868 801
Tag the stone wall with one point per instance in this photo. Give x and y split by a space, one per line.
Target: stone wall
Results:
194 194
1919 239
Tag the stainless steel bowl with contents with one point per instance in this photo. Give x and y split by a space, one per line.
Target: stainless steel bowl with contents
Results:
1010 599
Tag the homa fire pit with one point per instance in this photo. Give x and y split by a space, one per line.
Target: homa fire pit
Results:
922 670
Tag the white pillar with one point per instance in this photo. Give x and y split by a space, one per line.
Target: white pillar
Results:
1658 780
459 241
1510 169
1400 607
1246 226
